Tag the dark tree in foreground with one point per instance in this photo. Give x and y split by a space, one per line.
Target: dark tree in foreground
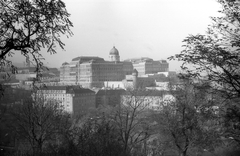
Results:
131 120
188 123
29 26
232 120
95 136
40 123
215 57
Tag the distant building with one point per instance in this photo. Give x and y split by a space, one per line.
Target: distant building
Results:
135 82
114 85
70 72
145 65
109 97
29 73
131 82
157 81
146 99
74 100
93 72
141 99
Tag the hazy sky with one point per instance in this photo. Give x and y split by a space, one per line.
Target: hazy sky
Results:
137 28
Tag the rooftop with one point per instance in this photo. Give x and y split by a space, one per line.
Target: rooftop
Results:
86 58
69 89
140 59
110 92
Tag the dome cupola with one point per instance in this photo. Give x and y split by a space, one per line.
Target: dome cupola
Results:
114 51
114 55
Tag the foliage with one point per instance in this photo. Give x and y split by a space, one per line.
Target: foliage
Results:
231 120
39 122
8 103
131 120
96 136
29 26
224 151
215 55
185 123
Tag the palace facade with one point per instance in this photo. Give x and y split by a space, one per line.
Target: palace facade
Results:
145 65
94 71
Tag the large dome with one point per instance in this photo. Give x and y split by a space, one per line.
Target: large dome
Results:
114 51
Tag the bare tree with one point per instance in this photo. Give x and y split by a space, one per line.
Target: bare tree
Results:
39 122
29 26
131 120
215 55
94 136
189 121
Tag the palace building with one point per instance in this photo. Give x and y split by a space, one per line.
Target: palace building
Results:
92 72
145 65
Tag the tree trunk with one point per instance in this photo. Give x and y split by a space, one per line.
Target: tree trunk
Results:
183 153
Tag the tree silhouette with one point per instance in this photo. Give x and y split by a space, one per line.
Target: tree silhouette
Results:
216 55
184 123
29 26
39 122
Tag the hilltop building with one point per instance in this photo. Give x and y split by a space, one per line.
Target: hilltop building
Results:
92 72
157 81
145 65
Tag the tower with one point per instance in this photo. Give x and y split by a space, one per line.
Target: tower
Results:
114 55
135 79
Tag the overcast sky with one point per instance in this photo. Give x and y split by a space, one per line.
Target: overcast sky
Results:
137 28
